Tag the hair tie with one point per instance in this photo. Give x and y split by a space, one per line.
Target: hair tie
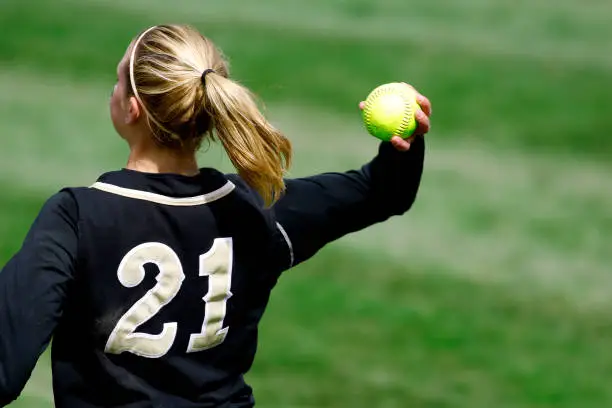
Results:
206 72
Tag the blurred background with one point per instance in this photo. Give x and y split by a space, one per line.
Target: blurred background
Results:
495 290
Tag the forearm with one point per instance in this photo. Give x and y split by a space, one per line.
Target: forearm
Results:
395 178
388 187
320 209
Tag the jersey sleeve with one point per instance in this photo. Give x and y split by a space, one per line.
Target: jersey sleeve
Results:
33 285
320 209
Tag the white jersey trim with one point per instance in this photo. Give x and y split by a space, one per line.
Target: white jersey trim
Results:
289 244
162 199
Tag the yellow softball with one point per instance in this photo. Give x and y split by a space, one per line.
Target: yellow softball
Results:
390 111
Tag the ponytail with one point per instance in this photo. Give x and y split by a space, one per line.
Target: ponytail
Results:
184 102
259 152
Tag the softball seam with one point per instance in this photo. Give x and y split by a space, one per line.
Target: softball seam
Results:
407 117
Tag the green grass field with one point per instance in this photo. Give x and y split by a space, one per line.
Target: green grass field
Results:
494 291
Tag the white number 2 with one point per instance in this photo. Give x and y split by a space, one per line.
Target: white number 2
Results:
216 264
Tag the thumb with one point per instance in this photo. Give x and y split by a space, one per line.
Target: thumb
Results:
361 105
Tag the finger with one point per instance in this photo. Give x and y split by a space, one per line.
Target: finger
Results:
424 124
424 103
362 105
403 145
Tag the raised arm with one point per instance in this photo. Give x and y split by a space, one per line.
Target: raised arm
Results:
320 209
33 286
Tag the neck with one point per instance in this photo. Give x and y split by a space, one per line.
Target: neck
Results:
157 160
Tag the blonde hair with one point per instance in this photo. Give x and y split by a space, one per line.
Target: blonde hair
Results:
181 80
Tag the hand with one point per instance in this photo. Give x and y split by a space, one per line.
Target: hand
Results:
422 117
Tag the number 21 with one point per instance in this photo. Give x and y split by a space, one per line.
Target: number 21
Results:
216 264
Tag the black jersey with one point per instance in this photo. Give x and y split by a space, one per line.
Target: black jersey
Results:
152 285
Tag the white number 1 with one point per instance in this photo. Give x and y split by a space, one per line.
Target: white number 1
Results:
216 264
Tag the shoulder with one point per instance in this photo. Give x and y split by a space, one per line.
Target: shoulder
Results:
243 188
70 205
281 243
62 202
55 226
60 212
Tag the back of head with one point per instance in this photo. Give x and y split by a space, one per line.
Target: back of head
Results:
182 82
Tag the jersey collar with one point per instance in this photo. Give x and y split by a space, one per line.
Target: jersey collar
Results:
207 185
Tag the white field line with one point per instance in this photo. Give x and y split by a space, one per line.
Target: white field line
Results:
498 216
526 30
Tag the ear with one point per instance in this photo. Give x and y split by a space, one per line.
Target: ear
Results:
132 113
